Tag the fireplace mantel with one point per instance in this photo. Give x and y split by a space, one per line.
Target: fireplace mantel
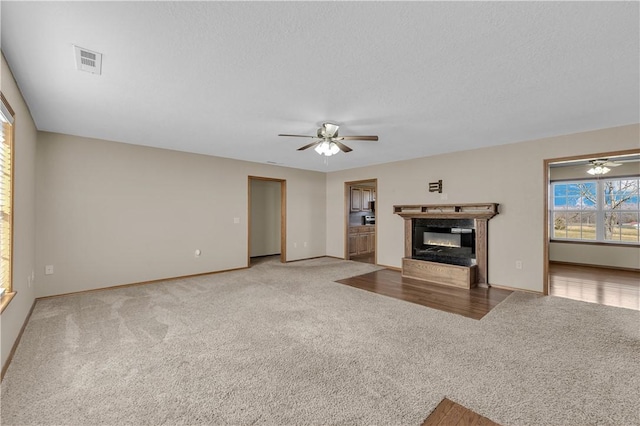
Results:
442 272
448 211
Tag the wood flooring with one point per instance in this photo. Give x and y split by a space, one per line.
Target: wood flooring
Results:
364 258
472 303
605 286
449 413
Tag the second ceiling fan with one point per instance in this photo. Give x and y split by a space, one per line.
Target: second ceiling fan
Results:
601 167
329 142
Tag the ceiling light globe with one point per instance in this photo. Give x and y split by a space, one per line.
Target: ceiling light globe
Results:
598 170
326 148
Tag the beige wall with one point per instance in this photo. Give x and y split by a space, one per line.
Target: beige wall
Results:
601 255
24 219
265 217
111 213
511 175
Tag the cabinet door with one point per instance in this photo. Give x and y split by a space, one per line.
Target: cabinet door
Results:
353 244
372 242
356 199
363 243
366 199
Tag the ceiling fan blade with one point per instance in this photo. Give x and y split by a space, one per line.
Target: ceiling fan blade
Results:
358 138
342 146
302 148
297 136
604 163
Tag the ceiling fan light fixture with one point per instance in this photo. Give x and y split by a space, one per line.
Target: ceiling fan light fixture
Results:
598 170
334 148
327 148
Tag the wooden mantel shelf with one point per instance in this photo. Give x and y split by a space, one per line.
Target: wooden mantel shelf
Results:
461 211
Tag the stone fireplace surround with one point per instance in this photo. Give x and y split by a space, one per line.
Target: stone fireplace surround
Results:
443 273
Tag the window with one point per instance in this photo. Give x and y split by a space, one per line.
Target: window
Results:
6 193
603 210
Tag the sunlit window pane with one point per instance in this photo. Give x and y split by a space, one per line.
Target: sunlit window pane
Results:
559 202
559 225
6 195
598 210
588 226
611 227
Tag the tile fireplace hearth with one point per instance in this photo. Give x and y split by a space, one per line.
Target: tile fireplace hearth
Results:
446 243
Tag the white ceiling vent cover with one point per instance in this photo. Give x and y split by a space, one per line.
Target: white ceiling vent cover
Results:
87 60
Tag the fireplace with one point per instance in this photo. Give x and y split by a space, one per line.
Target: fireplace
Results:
451 241
447 243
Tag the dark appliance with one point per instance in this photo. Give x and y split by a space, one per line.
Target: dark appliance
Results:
368 220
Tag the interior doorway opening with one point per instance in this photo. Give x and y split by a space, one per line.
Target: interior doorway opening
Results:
360 221
267 219
591 221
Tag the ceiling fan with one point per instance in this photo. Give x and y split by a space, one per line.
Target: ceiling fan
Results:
601 167
329 143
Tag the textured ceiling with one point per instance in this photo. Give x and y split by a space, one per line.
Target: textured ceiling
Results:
224 78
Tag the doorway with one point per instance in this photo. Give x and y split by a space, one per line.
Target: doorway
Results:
267 219
582 229
360 221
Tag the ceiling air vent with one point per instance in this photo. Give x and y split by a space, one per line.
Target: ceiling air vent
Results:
87 60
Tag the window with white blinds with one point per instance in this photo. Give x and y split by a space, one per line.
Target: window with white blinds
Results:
6 193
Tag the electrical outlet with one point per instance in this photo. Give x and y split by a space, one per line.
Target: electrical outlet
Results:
518 264
48 270
236 220
295 245
444 197
305 243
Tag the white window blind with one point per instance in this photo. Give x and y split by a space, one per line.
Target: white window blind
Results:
6 193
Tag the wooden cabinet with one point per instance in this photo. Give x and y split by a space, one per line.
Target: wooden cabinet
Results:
362 240
366 199
353 245
356 199
361 198
363 243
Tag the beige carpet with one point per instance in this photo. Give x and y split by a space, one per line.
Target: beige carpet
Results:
283 344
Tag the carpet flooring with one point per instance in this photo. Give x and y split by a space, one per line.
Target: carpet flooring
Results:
283 344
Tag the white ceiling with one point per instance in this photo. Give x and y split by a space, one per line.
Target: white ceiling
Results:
224 78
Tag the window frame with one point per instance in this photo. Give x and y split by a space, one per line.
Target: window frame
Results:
599 211
9 292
